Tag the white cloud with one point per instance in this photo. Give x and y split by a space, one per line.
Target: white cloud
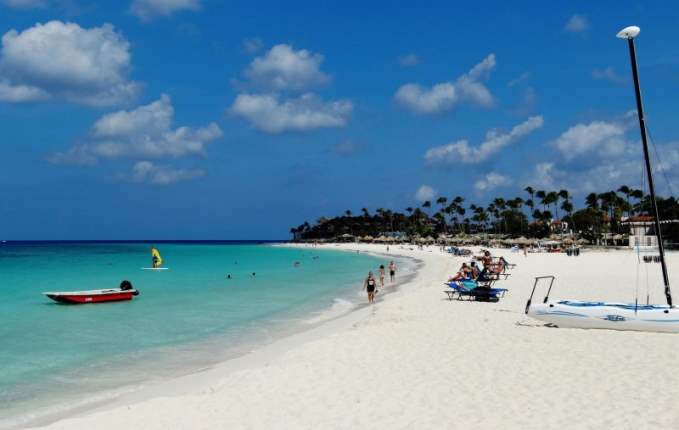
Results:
608 74
252 45
20 93
348 147
605 175
284 68
546 176
425 193
600 137
25 4
140 133
65 61
492 180
577 24
146 171
148 9
519 79
444 96
526 103
462 152
267 113
409 60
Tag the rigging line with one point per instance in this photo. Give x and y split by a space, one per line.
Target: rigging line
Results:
657 157
636 285
664 173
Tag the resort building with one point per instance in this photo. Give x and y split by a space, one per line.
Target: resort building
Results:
558 226
641 231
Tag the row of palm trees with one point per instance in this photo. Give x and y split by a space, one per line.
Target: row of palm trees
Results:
532 215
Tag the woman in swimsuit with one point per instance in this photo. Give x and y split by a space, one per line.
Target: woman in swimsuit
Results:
382 275
392 271
464 273
370 285
474 271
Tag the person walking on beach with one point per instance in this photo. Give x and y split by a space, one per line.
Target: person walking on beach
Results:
369 285
392 271
382 275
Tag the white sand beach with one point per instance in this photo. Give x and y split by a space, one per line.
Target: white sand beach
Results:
417 360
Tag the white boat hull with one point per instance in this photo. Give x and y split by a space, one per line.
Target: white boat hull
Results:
602 315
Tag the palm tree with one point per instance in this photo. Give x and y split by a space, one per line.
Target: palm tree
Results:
417 217
627 192
380 219
531 193
492 210
501 206
637 194
553 199
457 209
592 200
480 216
365 212
542 196
567 205
440 219
441 201
564 194
427 205
531 206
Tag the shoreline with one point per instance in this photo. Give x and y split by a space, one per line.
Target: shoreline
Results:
257 353
419 360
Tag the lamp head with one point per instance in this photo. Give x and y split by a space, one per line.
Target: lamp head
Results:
629 32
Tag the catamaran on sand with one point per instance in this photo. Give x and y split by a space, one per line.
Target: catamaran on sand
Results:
616 316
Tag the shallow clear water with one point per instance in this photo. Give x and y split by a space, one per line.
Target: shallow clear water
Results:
188 316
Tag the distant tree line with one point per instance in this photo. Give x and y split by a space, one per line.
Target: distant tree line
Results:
531 216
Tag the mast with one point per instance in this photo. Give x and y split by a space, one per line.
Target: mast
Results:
630 33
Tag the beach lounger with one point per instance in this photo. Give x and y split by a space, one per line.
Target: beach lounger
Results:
471 290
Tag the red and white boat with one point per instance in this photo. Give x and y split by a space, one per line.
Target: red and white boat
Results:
92 296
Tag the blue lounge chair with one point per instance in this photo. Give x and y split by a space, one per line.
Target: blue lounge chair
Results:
470 290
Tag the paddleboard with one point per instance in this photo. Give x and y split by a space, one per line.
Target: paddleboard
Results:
155 268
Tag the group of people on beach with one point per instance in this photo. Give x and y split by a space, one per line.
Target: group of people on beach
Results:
489 268
370 283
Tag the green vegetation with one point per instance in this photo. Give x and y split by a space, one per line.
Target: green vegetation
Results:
533 216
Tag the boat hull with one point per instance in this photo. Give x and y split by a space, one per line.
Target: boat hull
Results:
609 316
93 296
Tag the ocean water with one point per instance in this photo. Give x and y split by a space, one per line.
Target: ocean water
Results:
56 356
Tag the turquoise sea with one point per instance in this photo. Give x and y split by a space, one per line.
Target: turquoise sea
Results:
56 356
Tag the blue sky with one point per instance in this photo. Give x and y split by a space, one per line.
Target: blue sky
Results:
204 119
